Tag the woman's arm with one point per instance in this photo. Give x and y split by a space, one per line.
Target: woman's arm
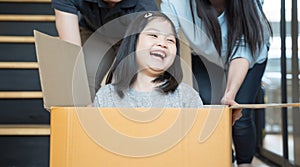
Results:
238 69
68 27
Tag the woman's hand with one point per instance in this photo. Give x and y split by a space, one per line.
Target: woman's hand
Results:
236 113
238 69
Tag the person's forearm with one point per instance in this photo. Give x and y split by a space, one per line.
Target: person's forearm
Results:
68 27
238 69
237 72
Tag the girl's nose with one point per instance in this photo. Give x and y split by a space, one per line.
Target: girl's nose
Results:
162 43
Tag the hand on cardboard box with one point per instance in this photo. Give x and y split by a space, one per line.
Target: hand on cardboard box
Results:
236 113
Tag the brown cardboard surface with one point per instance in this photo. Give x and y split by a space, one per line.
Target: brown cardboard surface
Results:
174 137
62 70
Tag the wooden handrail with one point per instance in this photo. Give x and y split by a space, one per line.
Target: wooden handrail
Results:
24 130
16 39
27 1
19 65
27 17
21 95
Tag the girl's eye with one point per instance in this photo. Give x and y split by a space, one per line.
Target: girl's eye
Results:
153 35
171 40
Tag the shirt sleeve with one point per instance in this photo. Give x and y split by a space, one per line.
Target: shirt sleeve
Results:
243 49
168 8
103 97
96 100
190 97
68 6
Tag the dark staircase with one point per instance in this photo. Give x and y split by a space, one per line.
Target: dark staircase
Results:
24 123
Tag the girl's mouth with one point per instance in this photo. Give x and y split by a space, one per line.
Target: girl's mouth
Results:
158 54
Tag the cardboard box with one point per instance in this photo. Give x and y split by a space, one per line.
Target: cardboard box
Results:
108 137
114 137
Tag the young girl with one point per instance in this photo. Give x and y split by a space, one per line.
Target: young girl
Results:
147 71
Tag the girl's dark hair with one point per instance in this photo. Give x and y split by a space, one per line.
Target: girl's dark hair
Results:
124 69
246 23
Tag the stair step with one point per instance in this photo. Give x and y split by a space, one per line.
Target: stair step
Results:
24 130
18 65
16 39
7 17
21 95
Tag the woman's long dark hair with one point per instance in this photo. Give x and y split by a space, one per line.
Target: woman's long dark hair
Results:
246 23
124 69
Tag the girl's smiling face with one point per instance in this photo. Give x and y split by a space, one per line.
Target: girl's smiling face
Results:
156 47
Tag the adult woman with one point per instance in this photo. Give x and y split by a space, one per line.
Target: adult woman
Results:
239 33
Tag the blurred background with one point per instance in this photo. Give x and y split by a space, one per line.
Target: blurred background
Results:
25 124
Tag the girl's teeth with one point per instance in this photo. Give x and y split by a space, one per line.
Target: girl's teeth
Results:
157 54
